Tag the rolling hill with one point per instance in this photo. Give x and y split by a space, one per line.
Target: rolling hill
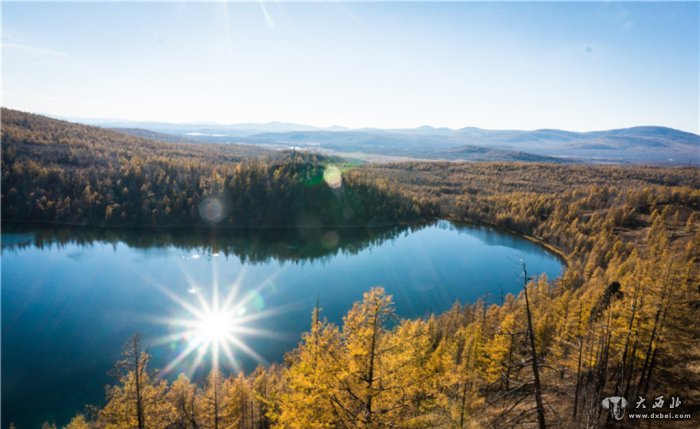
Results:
636 145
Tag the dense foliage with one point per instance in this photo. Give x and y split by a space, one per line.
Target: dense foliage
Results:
621 321
55 171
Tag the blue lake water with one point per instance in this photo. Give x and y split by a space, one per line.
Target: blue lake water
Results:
71 298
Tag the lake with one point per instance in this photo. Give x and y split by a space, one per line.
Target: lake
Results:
72 297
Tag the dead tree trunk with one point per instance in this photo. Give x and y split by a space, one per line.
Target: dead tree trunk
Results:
535 367
623 363
633 357
652 363
647 356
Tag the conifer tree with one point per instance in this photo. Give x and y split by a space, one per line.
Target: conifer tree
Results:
138 398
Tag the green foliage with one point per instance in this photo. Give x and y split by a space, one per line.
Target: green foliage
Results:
58 172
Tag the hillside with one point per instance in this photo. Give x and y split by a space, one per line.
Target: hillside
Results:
60 172
636 145
54 140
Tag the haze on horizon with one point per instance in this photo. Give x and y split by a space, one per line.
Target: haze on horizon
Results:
575 66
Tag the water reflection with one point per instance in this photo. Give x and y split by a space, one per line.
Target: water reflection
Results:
250 246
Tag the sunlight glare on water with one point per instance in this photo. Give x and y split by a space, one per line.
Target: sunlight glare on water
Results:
210 328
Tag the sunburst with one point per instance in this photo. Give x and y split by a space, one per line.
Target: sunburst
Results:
211 329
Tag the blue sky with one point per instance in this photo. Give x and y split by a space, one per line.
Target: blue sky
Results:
577 66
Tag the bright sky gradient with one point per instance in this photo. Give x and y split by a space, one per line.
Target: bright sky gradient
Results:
576 66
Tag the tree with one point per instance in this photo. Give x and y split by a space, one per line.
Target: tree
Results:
185 396
533 354
139 397
311 380
214 403
78 422
364 336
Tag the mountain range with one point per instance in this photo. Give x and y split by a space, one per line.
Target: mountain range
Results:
637 145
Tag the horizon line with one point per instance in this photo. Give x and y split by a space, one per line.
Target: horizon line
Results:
95 121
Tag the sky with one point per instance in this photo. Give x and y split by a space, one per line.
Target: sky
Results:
526 65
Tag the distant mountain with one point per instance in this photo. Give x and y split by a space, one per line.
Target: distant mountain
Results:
644 144
154 135
215 130
653 145
658 145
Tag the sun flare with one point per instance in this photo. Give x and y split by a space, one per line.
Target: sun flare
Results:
215 327
209 329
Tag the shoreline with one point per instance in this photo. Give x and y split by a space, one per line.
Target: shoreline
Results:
564 256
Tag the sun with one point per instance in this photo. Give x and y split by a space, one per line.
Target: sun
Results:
215 327
209 329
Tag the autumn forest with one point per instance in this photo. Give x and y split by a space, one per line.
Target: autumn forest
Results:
620 321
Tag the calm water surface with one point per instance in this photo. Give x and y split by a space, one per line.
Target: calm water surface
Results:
71 298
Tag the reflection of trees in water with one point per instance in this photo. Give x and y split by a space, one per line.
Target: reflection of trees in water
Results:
258 245
488 235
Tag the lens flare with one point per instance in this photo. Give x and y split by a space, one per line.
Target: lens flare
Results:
211 209
333 177
210 327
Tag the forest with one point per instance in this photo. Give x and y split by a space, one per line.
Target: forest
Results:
58 172
621 321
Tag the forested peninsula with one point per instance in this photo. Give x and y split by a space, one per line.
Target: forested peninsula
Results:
621 321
